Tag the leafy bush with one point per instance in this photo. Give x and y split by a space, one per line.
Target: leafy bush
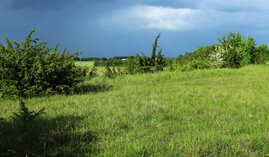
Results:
232 52
109 73
260 55
30 68
199 59
93 72
216 57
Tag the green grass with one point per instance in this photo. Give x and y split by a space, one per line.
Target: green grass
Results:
117 117
99 70
85 63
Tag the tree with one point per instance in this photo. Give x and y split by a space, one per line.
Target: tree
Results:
154 48
232 47
247 51
160 62
146 64
260 55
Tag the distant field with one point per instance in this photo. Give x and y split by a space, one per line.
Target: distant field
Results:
85 63
99 70
217 112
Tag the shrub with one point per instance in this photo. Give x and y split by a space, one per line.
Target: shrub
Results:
146 64
108 72
216 57
93 72
24 115
30 68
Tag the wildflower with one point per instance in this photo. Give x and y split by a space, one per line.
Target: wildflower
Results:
215 147
203 135
172 139
76 127
199 135
153 134
239 140
115 118
189 122
201 120
186 128
250 111
214 110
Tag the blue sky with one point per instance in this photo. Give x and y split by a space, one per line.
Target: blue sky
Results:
107 28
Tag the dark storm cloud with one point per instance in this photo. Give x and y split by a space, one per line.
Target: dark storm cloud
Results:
38 4
49 4
107 28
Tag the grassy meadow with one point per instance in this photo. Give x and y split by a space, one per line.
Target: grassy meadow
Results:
85 63
218 112
89 64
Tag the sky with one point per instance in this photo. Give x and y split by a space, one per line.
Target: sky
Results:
108 28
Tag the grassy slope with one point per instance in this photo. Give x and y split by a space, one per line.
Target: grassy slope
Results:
119 116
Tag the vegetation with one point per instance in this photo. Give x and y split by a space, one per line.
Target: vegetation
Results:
93 72
30 68
146 64
232 52
103 58
211 112
25 115
88 64
109 62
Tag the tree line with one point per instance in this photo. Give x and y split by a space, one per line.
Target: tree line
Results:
233 51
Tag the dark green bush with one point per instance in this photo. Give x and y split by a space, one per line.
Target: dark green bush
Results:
93 72
110 73
146 64
110 62
30 68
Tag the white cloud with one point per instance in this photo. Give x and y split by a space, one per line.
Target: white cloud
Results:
155 17
208 15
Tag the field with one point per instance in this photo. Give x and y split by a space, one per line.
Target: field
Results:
219 112
99 70
85 63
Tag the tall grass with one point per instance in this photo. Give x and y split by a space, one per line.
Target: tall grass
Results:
220 112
